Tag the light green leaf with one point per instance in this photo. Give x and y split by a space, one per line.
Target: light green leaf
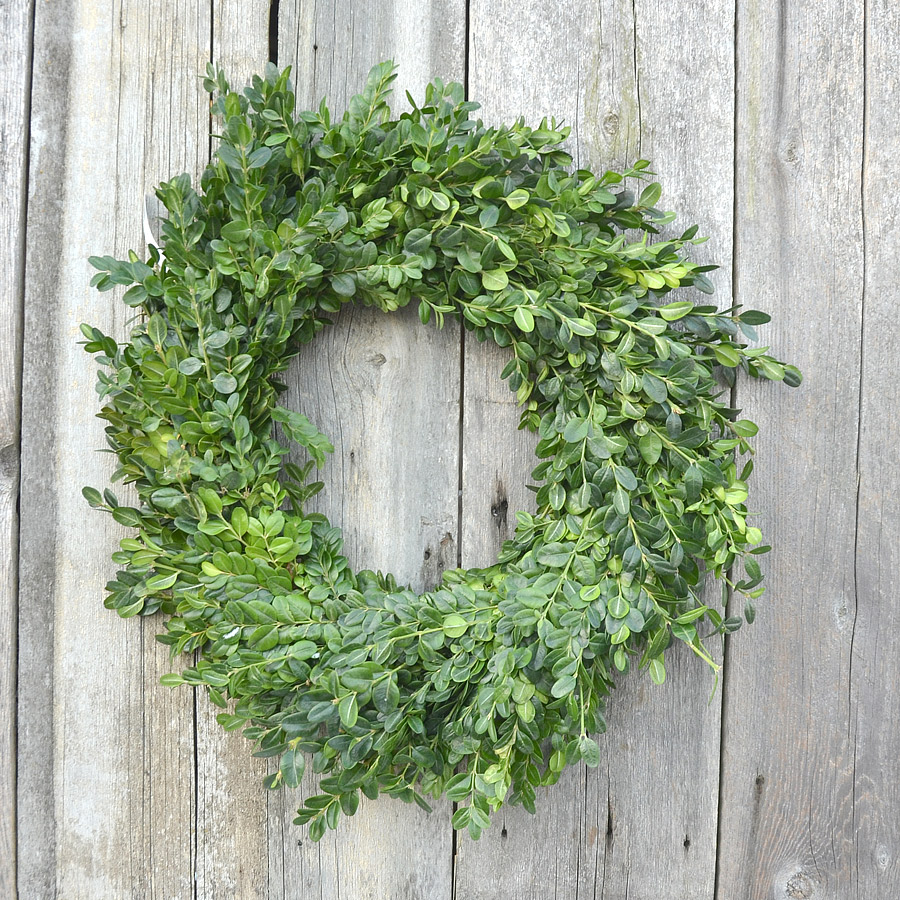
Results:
524 319
589 751
576 430
563 686
650 195
727 355
671 312
161 582
225 383
293 765
494 280
348 710
454 626
650 446
517 198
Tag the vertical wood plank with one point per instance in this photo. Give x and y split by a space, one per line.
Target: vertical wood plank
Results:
631 79
386 391
788 827
874 665
875 659
240 39
106 754
664 743
170 124
528 857
36 819
15 86
232 822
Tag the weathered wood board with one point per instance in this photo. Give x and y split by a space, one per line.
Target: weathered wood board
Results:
793 773
386 391
772 127
624 80
15 60
231 835
106 761
874 695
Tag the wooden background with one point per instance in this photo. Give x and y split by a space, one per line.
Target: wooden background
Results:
773 124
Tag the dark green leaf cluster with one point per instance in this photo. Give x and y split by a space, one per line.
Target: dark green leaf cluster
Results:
488 686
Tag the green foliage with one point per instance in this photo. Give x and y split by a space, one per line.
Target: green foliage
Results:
486 687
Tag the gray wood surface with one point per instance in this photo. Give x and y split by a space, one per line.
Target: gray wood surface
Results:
38 527
15 59
106 764
875 648
386 391
789 815
773 127
232 825
625 79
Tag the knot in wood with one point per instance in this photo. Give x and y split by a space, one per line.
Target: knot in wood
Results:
799 887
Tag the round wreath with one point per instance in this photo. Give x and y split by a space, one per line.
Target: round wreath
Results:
489 685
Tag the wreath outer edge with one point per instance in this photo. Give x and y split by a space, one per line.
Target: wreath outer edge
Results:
488 686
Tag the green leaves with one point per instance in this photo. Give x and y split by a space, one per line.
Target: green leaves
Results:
576 430
638 484
225 383
157 329
671 312
554 555
650 195
343 284
299 429
348 710
581 327
563 686
755 317
625 477
589 751
454 626
236 231
727 355
293 765
417 241
516 199
93 497
259 157
524 319
161 582
650 446
494 280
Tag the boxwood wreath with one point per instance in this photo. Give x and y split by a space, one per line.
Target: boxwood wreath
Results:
489 685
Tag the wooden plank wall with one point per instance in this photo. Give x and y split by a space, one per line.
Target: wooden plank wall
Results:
390 390
621 77
15 59
771 126
106 759
809 789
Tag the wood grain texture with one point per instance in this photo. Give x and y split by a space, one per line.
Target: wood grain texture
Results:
170 125
105 802
15 67
106 754
386 391
788 824
36 819
875 651
232 823
630 80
